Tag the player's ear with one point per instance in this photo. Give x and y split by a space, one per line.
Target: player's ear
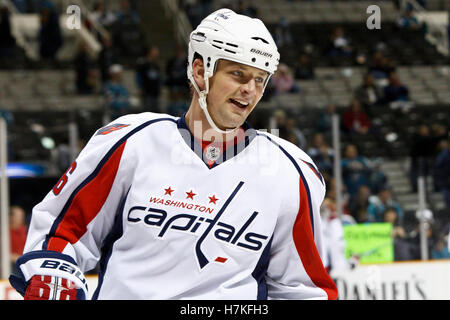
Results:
199 72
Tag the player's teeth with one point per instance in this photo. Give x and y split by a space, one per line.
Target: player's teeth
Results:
241 102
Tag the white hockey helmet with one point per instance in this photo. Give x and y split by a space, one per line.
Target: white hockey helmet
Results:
227 35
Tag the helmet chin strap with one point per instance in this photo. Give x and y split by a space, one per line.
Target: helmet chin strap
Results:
202 101
203 105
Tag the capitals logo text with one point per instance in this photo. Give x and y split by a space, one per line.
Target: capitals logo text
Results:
240 235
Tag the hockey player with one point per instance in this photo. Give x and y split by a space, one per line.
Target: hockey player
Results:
197 207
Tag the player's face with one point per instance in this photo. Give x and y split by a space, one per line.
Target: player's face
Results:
235 89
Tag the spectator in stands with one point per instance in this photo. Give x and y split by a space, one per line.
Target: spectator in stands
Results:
116 94
368 93
85 70
63 155
295 135
414 238
379 203
7 41
439 133
287 128
378 179
333 237
176 78
283 35
50 38
440 250
150 79
402 246
408 20
395 90
303 69
283 80
127 13
330 201
339 46
355 120
280 117
390 215
102 17
322 154
445 231
325 122
423 146
359 203
360 58
128 37
355 169
380 68
106 58
177 83
17 232
442 171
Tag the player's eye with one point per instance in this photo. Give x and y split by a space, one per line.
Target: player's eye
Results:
237 73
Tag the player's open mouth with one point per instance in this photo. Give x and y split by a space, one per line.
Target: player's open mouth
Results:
240 104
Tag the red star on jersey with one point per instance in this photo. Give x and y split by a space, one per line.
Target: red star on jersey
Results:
190 195
168 191
213 199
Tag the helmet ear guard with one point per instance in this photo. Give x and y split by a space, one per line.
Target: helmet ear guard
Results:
206 79
234 37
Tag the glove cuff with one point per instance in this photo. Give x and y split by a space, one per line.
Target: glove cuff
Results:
47 263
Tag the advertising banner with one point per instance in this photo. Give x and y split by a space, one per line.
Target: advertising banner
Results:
395 281
372 242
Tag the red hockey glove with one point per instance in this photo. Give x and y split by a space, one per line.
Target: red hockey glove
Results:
50 288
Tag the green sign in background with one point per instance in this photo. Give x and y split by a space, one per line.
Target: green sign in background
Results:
372 242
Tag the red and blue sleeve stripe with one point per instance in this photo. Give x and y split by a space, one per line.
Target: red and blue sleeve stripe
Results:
316 172
89 197
303 236
303 233
85 203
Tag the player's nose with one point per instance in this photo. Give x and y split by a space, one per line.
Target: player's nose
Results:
249 87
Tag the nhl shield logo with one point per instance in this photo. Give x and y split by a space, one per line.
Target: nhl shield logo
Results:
212 153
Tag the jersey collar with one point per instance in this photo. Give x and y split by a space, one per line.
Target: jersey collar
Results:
214 155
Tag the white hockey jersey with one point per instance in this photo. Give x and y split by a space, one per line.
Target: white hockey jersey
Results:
143 202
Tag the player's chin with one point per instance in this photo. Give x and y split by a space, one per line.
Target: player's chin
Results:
236 119
233 121
234 116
